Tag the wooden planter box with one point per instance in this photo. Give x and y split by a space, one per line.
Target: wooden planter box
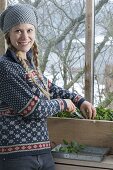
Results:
97 133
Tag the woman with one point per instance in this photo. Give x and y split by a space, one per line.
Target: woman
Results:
27 97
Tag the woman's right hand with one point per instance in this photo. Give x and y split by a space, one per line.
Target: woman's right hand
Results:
70 106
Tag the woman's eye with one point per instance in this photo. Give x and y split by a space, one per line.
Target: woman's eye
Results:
30 30
18 31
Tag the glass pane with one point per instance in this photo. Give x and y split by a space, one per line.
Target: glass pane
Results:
103 53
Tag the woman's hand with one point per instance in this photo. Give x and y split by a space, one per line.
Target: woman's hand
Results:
70 106
88 110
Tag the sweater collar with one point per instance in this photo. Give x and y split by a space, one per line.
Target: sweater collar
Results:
11 54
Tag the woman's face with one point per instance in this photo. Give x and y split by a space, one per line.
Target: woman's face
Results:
22 37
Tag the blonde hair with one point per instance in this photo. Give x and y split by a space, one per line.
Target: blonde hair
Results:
26 66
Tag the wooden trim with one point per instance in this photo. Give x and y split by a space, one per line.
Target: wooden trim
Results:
3 5
89 51
88 132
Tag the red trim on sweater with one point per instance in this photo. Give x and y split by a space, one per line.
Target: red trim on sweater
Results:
30 106
24 147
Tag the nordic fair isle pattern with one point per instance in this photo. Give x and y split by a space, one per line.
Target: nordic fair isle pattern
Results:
26 147
30 106
24 109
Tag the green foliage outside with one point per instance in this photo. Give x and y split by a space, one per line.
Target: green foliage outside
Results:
102 114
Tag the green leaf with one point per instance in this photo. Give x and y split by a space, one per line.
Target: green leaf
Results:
65 142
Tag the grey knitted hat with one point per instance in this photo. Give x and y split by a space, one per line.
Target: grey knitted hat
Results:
17 14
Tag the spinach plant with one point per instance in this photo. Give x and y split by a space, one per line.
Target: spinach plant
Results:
102 114
72 147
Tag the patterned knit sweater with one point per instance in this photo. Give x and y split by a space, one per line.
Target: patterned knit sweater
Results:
24 109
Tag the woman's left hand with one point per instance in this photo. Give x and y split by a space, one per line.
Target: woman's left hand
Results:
88 110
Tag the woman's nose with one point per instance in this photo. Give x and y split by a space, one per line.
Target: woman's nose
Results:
24 35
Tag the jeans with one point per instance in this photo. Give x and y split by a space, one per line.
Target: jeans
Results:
40 162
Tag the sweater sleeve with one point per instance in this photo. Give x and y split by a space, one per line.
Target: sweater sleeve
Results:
18 95
58 92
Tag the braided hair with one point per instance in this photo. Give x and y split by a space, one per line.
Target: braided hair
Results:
26 66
